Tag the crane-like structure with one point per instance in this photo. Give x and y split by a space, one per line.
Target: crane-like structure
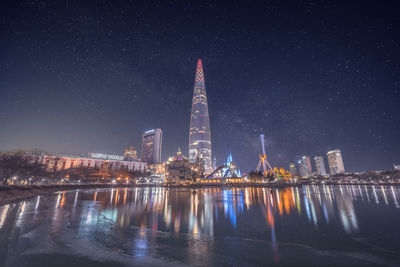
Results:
263 159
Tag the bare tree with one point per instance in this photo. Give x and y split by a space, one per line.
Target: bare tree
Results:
15 164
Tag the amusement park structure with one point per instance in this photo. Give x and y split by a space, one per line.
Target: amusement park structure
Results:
263 159
228 173
268 171
229 169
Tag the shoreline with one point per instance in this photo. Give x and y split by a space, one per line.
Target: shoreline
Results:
9 194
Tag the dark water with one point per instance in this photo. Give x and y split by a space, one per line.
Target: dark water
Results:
312 225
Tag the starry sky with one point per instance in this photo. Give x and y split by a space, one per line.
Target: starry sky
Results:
92 76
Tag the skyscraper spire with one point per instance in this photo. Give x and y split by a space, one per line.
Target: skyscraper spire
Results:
199 133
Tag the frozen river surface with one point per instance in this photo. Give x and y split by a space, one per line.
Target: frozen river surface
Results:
310 225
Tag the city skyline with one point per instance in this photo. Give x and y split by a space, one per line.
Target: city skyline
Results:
94 77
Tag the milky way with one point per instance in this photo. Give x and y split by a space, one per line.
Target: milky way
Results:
78 77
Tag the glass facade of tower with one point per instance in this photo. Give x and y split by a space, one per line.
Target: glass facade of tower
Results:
151 146
199 133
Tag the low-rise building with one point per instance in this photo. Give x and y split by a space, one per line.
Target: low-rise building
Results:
96 161
157 169
130 154
178 169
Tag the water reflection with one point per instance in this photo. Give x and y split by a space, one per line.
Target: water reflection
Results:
196 211
4 211
141 220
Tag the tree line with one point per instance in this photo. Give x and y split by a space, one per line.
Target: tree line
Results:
15 165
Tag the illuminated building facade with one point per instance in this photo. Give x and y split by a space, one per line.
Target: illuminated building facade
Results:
229 169
151 146
178 169
130 154
320 165
156 169
305 167
199 133
63 162
335 161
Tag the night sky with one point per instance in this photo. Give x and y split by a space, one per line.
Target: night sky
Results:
81 77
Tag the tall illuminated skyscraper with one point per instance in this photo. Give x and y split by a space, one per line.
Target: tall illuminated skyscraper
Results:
199 133
151 146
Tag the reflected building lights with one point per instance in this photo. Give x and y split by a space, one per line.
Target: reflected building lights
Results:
4 214
384 195
62 202
208 224
196 211
116 196
37 202
366 191
270 221
200 215
325 213
21 213
313 212
298 201
58 200
307 208
396 203
141 243
347 215
353 191
112 195
360 192
177 223
376 197
142 221
76 198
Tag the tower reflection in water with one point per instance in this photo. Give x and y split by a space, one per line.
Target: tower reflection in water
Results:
147 215
197 211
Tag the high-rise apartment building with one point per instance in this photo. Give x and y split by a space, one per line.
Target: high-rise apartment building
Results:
320 165
292 168
305 167
335 161
199 133
151 146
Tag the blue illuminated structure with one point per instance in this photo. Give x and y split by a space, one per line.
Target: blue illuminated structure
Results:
229 169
